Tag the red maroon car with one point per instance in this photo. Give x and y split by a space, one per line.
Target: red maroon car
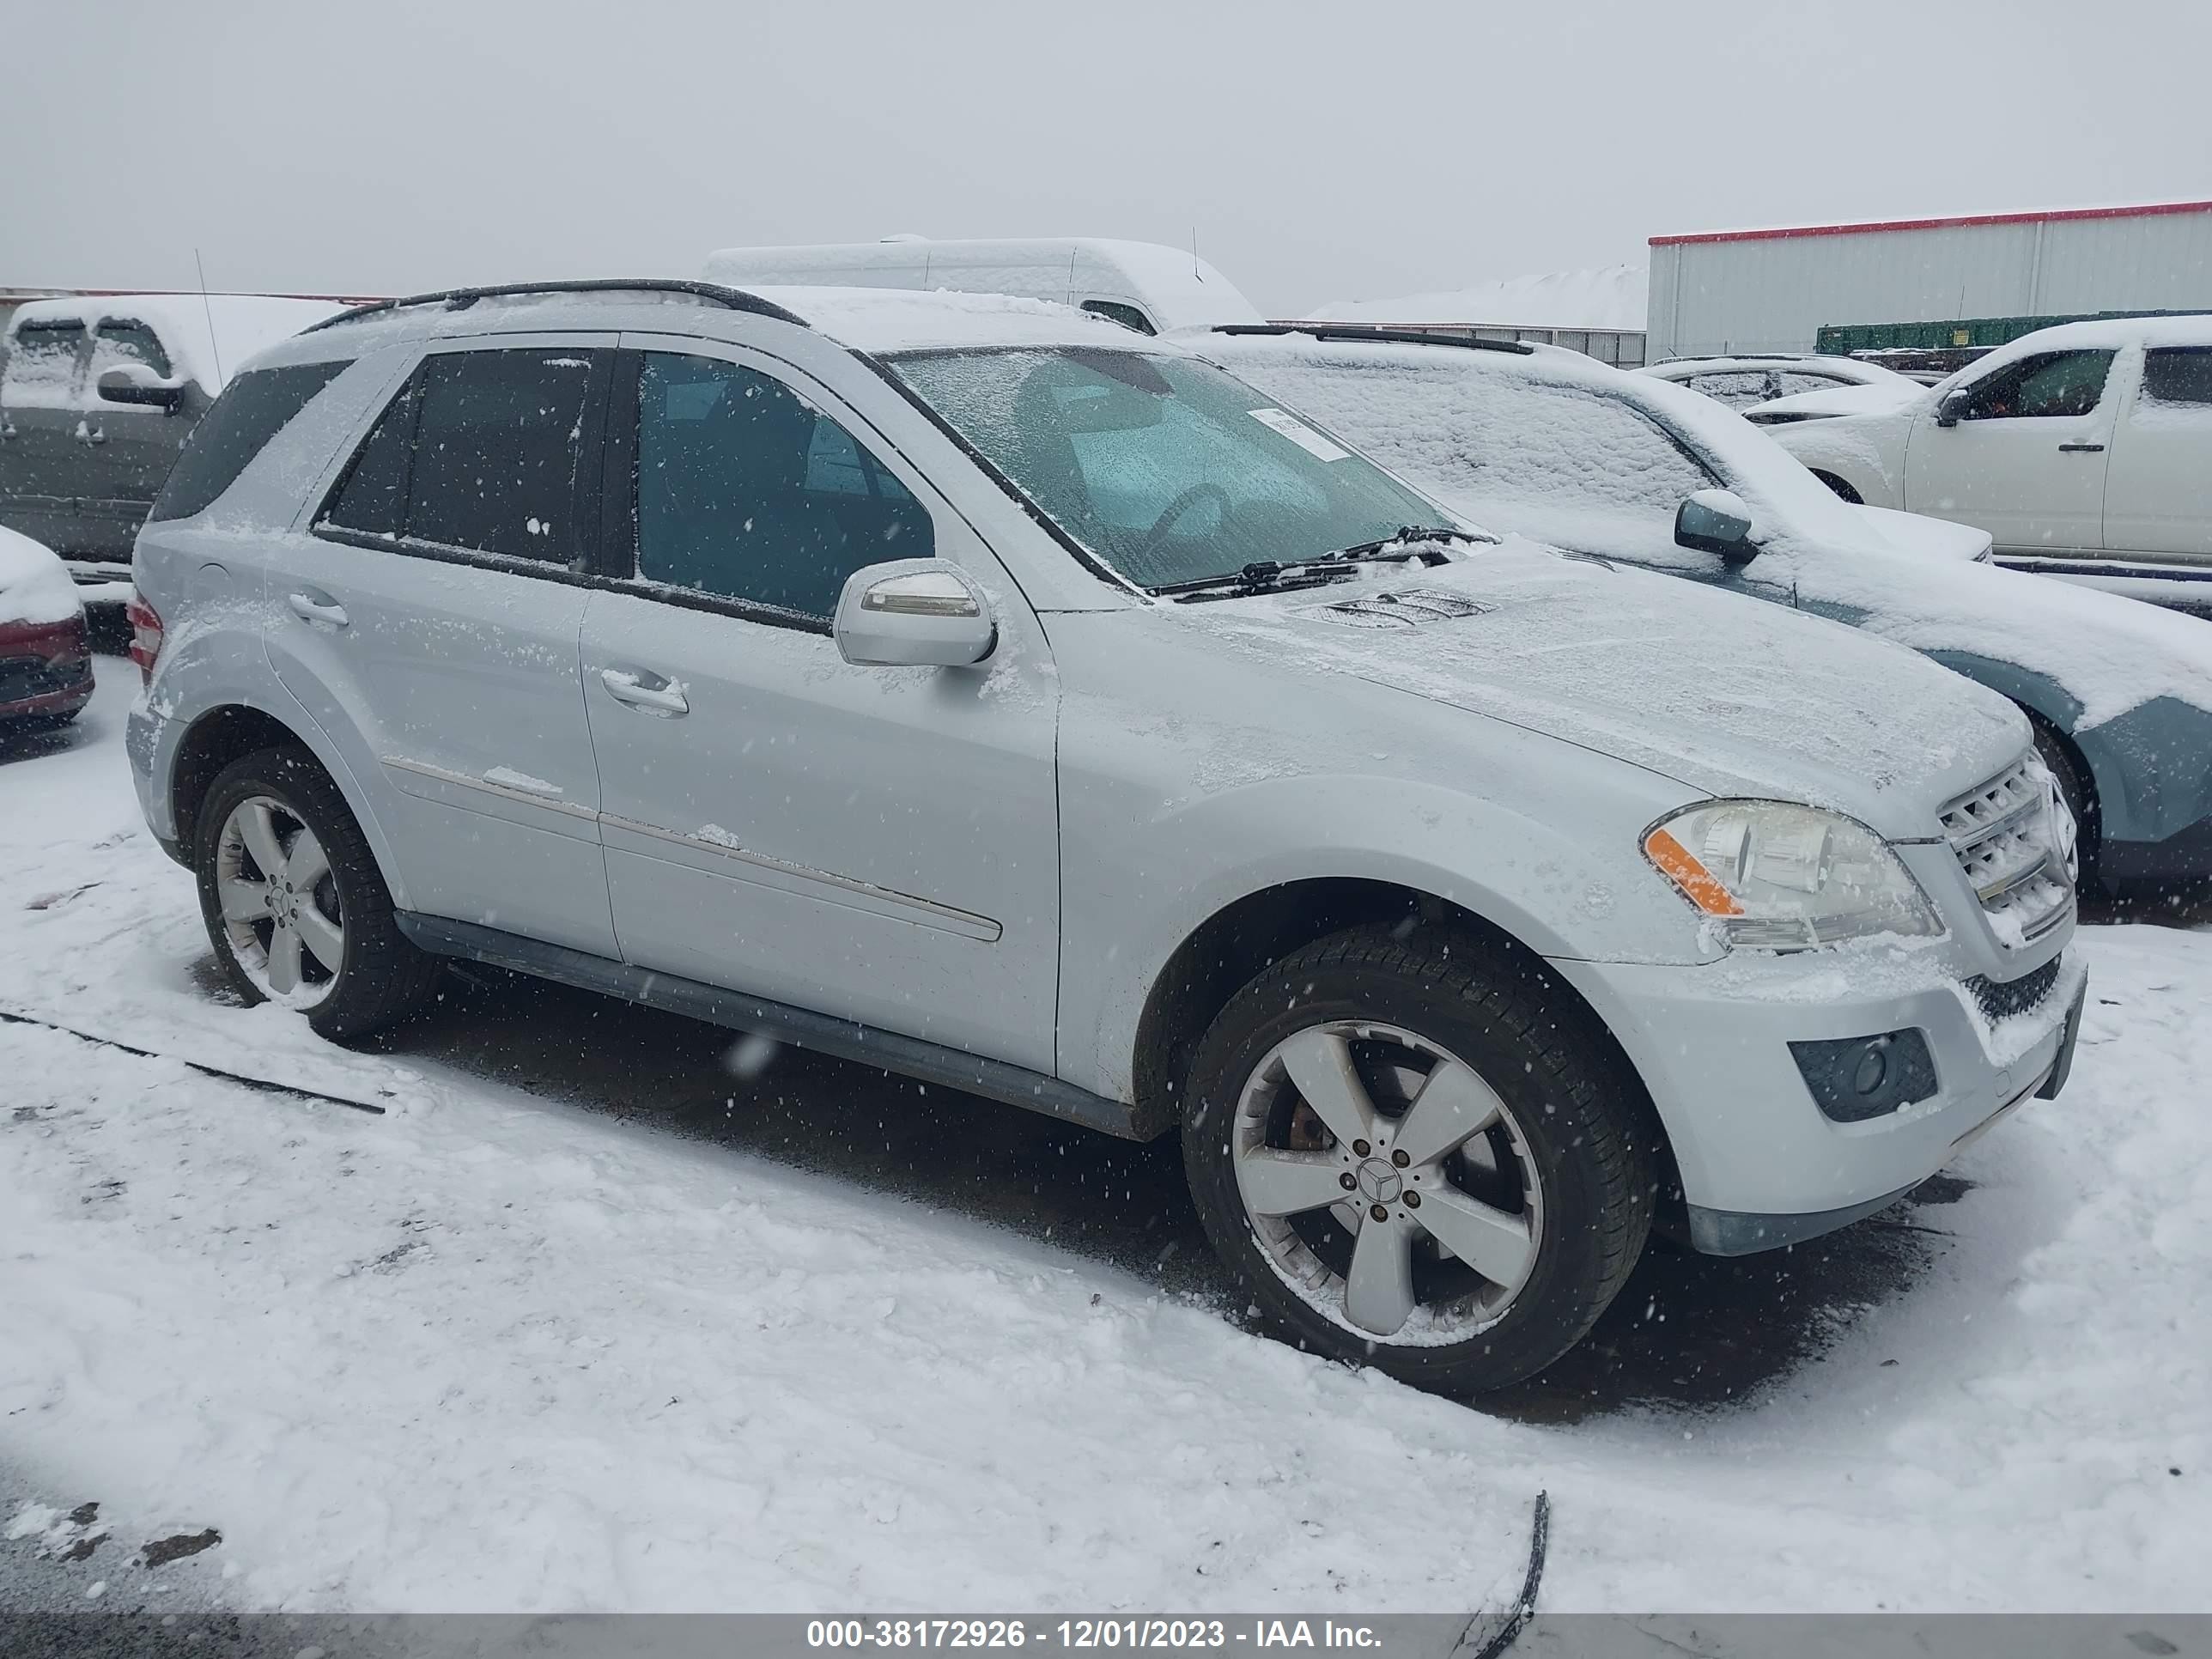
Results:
46 659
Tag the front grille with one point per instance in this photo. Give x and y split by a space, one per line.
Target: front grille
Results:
2002 999
2006 836
34 677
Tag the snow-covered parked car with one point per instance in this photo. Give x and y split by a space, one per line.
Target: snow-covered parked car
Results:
979 690
1744 382
1624 467
97 397
45 659
2085 451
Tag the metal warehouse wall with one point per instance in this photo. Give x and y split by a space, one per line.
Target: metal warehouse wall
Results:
1770 291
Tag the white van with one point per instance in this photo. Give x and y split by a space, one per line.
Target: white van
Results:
1142 285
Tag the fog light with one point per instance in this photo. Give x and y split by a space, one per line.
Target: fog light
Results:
1854 1079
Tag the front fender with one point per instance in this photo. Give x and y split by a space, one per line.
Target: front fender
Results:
2151 765
1866 452
1560 874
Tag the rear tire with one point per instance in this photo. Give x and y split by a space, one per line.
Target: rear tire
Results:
1546 1203
295 906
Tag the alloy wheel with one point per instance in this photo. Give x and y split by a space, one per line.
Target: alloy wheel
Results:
281 915
1387 1182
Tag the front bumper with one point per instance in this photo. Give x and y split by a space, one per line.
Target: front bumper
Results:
1761 1166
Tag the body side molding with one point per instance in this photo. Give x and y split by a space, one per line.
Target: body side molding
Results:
995 1079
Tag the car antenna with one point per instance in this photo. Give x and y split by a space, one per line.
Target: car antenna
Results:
1193 255
208 311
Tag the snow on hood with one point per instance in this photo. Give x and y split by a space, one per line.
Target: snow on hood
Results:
244 325
1427 412
1727 694
34 585
1915 532
2109 653
1876 397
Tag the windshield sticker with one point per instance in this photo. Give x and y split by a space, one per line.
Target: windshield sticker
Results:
1299 433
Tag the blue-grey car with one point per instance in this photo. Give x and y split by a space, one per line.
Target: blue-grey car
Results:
1549 443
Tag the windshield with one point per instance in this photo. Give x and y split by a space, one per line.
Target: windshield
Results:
1165 468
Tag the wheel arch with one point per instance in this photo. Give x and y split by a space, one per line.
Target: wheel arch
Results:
227 732
1841 485
1223 953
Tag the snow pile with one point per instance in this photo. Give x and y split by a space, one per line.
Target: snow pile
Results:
1607 297
244 325
505 1354
34 585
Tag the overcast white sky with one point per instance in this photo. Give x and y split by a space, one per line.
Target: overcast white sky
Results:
1321 151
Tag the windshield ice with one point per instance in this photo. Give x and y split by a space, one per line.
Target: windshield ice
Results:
1165 468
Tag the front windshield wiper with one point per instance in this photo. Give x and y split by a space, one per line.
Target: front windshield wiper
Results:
1276 574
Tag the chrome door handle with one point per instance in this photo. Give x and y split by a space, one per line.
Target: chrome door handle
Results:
2081 449
630 686
309 609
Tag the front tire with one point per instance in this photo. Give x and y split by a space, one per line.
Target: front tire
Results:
1422 1155
295 906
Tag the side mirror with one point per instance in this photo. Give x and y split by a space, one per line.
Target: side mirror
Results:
913 613
1952 408
1717 521
136 383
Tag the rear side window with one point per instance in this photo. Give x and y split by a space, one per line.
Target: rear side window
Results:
43 361
2178 375
1735 387
254 409
479 449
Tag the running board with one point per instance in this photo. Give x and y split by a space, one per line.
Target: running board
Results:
890 1051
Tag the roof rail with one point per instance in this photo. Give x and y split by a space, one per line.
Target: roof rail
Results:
1358 331
460 299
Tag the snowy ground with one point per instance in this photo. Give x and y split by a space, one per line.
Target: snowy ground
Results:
583 1322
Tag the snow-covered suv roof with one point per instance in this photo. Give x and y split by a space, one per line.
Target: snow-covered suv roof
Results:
870 319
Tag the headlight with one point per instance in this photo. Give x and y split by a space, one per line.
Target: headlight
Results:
1780 876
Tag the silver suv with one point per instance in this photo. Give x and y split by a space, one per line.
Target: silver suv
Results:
976 689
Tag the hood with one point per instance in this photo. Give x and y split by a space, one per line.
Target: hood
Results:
1728 695
1879 398
1936 538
